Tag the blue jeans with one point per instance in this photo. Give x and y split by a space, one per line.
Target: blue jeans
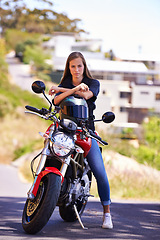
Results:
96 164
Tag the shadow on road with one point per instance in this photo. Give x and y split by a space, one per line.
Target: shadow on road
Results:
131 221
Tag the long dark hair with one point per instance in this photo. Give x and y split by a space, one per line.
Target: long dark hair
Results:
71 57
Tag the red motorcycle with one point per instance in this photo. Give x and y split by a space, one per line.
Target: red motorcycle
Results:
63 176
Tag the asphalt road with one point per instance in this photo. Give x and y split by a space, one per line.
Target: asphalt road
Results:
132 220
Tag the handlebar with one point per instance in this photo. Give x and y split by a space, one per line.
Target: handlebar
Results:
45 111
42 111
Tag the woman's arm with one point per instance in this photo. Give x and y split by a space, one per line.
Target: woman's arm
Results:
86 95
82 90
55 89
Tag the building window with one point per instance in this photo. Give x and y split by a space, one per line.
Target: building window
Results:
125 94
157 96
97 76
109 77
144 93
123 109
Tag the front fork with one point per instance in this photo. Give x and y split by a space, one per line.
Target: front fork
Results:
39 173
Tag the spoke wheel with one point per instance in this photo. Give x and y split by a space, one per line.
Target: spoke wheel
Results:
37 212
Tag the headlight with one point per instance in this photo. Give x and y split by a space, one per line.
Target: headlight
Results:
62 144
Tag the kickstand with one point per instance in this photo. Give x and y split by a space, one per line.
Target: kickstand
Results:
79 219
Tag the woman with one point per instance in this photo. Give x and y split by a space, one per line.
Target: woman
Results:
78 80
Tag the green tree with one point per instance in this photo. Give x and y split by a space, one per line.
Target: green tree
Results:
16 15
14 37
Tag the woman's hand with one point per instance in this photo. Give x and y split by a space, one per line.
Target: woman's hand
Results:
82 87
83 91
53 90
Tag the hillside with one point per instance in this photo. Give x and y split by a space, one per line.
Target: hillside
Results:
19 132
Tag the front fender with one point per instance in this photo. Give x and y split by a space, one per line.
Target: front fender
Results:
46 171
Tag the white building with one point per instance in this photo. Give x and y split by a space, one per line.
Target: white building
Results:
129 102
114 97
127 87
118 70
146 96
62 44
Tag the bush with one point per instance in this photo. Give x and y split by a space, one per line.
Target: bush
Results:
14 37
36 57
3 64
148 151
43 76
21 47
152 132
2 48
145 154
5 106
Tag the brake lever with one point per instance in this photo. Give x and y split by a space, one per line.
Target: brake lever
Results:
44 111
98 140
91 134
36 114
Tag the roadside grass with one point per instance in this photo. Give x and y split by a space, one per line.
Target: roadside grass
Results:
133 187
19 135
25 172
25 168
129 187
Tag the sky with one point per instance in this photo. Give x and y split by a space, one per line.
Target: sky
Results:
128 27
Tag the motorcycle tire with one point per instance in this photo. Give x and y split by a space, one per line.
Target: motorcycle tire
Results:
37 212
68 214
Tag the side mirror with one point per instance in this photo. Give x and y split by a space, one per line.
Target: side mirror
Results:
108 117
38 87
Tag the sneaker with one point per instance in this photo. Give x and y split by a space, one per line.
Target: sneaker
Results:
107 221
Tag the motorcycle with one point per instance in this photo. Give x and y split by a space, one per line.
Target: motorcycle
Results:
63 176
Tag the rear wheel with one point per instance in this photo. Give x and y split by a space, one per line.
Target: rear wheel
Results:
67 213
37 212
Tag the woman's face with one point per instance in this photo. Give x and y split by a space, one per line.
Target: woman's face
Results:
76 68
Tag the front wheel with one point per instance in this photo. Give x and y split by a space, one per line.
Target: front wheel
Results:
37 212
